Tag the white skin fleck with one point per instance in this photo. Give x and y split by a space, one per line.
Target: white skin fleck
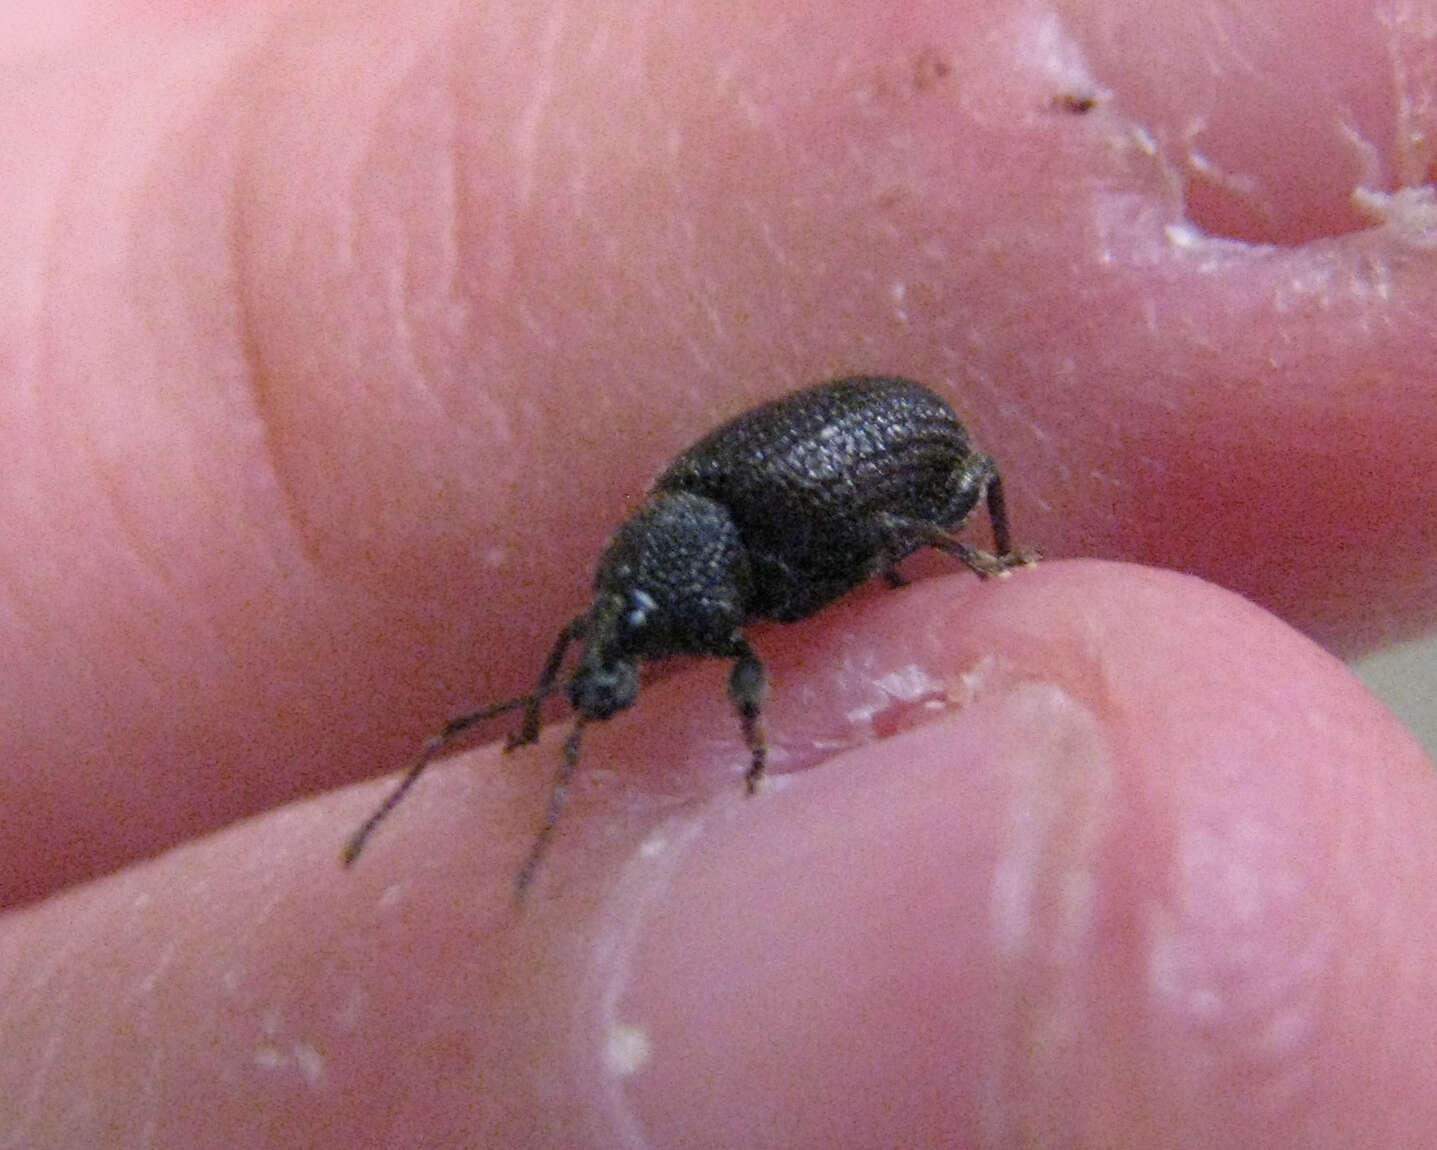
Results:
310 1062
627 1051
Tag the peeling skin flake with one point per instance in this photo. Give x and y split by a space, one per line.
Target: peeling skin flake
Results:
897 690
1409 214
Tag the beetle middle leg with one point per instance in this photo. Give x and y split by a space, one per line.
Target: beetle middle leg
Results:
747 685
891 575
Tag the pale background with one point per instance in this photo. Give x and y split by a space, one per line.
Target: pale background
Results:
1405 678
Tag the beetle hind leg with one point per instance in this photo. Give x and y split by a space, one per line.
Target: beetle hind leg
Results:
747 685
979 479
908 535
980 476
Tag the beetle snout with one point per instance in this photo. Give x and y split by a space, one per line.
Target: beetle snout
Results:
599 692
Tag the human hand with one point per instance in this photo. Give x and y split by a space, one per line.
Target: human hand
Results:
338 347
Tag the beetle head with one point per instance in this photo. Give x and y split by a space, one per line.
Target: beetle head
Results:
607 677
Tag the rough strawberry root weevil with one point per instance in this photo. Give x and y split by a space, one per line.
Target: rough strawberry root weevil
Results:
771 517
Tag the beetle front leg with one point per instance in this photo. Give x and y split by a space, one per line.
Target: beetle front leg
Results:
558 799
747 685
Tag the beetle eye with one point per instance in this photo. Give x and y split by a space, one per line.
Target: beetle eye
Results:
641 605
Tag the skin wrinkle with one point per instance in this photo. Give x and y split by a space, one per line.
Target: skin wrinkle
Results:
636 898
1043 803
112 496
529 123
291 539
415 222
251 218
60 224
258 385
1232 56
1262 1008
427 270
51 978
1060 818
453 159
1409 43
448 207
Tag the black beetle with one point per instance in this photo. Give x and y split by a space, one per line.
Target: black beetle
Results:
771 517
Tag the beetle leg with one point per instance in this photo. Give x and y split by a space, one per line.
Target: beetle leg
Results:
907 535
898 541
981 473
528 731
558 799
747 685
984 472
891 575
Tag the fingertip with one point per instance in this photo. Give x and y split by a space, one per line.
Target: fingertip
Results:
1093 855
1168 871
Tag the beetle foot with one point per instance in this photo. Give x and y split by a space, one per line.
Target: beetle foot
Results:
986 565
520 738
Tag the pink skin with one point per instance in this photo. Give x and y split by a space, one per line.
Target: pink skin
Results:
336 344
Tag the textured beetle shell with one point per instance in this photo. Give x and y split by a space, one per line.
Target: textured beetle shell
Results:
808 478
682 549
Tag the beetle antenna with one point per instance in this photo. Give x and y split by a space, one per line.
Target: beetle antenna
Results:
451 730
